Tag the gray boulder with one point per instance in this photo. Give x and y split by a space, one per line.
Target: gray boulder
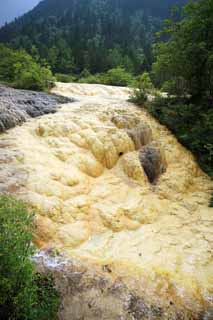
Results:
16 106
153 161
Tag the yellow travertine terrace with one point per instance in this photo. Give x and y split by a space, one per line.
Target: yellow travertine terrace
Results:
87 178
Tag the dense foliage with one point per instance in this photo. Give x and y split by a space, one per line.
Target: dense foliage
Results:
184 68
22 71
98 35
24 295
115 77
142 87
186 60
191 123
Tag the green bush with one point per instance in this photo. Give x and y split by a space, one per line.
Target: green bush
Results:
19 69
24 295
66 78
180 115
139 96
144 81
118 77
86 77
85 73
32 76
142 87
96 78
175 87
115 77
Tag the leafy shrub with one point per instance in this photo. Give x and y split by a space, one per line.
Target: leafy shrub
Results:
118 77
32 76
85 73
86 77
176 87
180 115
92 78
66 78
24 294
145 82
139 96
142 86
115 77
47 298
18 68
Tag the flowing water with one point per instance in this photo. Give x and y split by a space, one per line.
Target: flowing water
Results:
86 172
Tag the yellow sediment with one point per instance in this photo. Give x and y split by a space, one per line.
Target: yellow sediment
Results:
94 201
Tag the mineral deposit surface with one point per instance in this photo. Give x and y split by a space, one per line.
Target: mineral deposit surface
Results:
113 189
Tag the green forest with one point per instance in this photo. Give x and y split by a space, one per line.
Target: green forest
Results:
96 35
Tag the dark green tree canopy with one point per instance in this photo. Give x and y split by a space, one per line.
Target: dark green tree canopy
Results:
184 68
73 35
187 58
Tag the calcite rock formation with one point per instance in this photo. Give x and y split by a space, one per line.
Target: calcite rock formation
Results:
153 161
139 132
124 204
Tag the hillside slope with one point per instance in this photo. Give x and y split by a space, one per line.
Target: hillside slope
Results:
73 35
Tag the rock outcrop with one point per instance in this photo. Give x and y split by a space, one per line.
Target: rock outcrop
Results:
88 293
122 202
16 106
153 161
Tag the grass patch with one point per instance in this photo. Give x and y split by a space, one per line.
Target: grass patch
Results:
24 294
